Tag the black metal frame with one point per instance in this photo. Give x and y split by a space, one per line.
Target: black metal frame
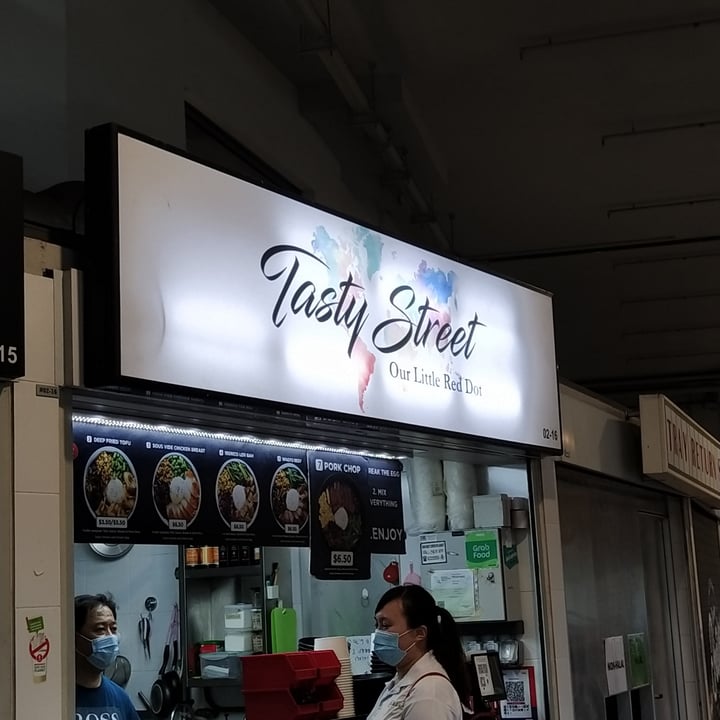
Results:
101 286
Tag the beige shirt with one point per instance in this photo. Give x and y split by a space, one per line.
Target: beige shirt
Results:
433 698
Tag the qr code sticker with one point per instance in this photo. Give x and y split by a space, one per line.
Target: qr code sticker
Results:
515 691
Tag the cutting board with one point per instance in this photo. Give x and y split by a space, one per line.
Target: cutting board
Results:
283 630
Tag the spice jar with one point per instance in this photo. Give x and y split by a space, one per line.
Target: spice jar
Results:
192 556
213 556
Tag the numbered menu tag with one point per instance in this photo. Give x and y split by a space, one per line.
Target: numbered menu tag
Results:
341 522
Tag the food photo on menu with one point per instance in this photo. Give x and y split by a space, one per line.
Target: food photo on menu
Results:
290 498
340 514
237 494
176 490
110 484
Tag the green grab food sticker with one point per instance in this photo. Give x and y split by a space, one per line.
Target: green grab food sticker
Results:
35 624
481 549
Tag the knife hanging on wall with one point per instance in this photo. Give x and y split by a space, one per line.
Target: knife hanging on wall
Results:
145 631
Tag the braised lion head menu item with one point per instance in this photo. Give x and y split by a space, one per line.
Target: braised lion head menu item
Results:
110 486
237 494
176 491
339 537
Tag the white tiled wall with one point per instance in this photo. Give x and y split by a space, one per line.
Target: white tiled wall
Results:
7 551
147 570
551 541
41 529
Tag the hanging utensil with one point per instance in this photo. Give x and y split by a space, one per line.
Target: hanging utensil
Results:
119 672
166 691
145 631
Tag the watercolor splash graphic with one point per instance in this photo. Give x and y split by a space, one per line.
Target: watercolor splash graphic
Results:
361 255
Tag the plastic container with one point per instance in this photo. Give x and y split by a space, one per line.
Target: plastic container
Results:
238 641
220 665
338 643
239 616
257 619
283 671
491 511
263 704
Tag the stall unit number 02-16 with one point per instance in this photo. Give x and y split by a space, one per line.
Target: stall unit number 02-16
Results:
341 559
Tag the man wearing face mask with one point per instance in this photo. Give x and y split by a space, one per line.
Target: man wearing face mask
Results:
421 641
96 648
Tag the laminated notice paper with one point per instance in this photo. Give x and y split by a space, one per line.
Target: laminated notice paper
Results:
454 590
615 665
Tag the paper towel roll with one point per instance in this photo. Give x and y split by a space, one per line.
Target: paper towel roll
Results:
460 486
426 494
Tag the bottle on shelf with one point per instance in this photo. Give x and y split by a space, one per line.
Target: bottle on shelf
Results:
245 556
234 554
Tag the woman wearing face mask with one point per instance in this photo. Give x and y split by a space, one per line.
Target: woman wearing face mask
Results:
421 641
96 648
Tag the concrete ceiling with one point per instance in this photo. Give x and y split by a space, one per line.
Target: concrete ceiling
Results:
571 146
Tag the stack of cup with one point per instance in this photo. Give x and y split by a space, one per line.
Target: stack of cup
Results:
344 681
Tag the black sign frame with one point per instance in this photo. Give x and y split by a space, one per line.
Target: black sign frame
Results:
102 305
12 268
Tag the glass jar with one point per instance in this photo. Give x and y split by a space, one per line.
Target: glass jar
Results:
192 556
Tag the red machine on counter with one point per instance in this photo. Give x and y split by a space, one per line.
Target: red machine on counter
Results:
295 685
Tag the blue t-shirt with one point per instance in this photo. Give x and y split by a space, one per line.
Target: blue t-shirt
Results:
107 702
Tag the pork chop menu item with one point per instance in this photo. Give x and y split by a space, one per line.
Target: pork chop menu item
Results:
340 514
110 484
176 489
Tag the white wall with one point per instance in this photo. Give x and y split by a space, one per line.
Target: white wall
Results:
7 557
42 514
147 570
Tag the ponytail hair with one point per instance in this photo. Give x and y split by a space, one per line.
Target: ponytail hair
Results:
443 637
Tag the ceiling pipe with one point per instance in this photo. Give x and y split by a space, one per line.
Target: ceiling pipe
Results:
364 114
621 246
653 383
554 41
633 132
685 202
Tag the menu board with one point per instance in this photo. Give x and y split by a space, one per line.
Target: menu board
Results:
339 516
141 485
387 532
